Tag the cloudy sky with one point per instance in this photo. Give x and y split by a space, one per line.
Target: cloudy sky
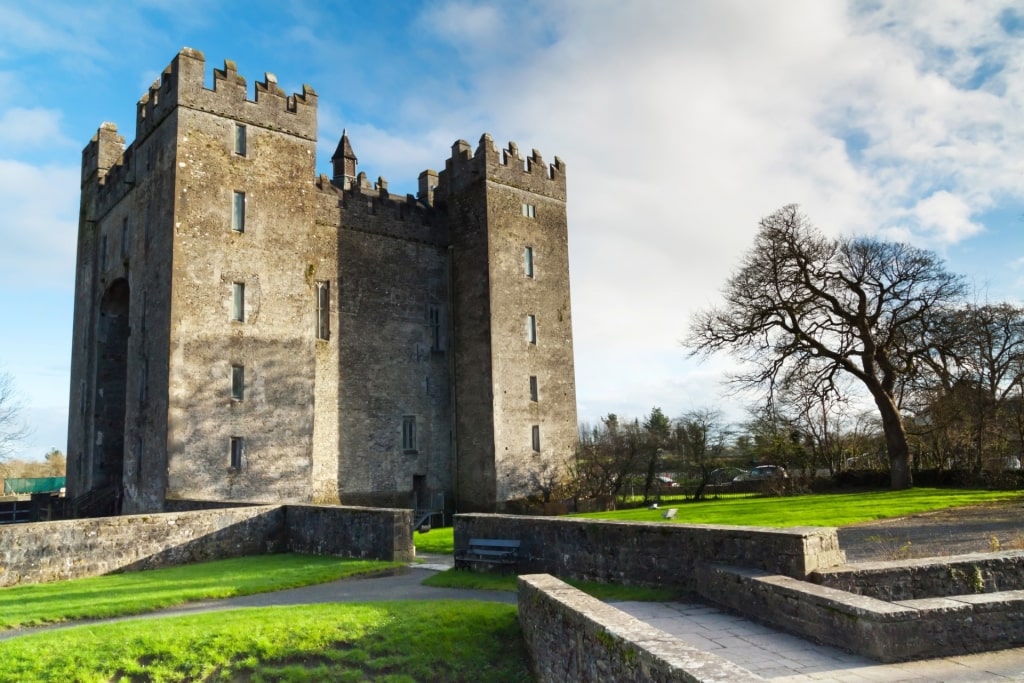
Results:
681 124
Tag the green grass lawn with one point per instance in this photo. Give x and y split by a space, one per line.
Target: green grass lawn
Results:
393 642
137 592
823 509
438 540
833 509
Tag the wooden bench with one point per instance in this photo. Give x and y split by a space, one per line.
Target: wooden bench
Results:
497 552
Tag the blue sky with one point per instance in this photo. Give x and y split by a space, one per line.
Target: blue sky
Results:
681 124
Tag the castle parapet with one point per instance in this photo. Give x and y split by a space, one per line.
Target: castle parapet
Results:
182 83
102 153
504 166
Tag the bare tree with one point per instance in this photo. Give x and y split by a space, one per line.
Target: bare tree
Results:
804 305
976 373
702 435
822 415
606 459
12 429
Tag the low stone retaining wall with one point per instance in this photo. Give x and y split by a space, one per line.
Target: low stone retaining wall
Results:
571 636
886 631
55 551
933 577
793 579
650 554
372 533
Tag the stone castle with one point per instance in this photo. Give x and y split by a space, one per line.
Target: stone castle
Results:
248 331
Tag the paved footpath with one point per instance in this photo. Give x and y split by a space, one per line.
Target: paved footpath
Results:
771 654
780 657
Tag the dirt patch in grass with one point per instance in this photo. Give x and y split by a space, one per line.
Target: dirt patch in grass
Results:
956 531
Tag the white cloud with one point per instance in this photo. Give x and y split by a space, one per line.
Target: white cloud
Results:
945 216
465 22
682 124
39 226
35 128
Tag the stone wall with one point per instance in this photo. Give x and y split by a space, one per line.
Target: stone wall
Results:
890 612
886 631
71 549
372 533
572 636
650 554
928 577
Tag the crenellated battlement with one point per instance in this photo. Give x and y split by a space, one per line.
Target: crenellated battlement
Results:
369 207
182 83
505 166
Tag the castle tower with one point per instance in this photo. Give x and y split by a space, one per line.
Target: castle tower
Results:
514 385
194 377
248 332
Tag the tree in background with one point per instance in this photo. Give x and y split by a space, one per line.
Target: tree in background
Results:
968 399
702 437
774 438
12 429
805 305
823 418
56 463
656 440
607 458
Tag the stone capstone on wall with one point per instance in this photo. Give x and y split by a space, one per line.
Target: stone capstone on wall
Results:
886 631
932 577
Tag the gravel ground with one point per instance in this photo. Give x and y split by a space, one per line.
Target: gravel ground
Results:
983 528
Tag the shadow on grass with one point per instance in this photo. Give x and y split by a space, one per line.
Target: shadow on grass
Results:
395 641
116 595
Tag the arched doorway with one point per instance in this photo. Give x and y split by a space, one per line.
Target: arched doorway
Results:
111 383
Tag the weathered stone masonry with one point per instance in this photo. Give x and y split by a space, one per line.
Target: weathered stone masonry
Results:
794 579
248 331
71 549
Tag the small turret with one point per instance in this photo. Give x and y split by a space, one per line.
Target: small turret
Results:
344 162
428 183
102 153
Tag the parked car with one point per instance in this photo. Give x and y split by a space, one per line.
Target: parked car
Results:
762 472
666 482
724 475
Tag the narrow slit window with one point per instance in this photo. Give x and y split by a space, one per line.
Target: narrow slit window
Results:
240 133
124 238
237 382
238 211
528 261
143 380
323 310
409 433
236 451
435 328
531 329
534 389
238 302
535 438
530 210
